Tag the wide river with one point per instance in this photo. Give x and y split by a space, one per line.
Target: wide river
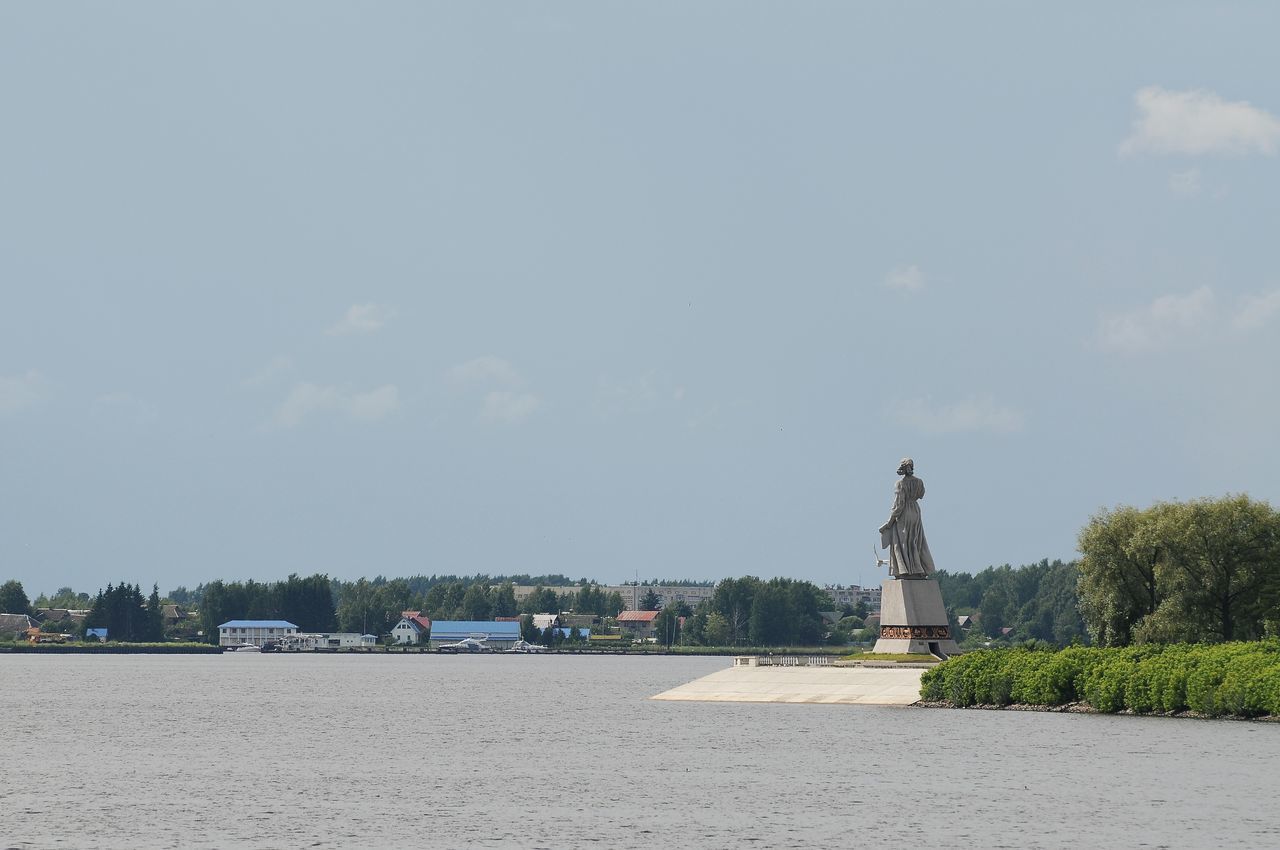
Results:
563 752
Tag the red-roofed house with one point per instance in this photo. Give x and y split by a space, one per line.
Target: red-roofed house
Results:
414 627
639 623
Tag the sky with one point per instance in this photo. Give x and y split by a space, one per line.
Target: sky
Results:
624 290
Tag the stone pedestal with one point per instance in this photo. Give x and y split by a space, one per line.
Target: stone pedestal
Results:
913 618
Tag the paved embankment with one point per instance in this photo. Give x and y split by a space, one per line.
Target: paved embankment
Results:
849 685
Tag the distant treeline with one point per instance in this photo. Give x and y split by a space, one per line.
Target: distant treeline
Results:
1206 570
418 584
1035 602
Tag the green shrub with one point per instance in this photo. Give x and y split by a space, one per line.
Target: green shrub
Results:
1237 679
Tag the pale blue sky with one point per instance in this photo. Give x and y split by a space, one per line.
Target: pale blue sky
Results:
612 289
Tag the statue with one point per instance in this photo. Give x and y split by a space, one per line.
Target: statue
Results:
903 534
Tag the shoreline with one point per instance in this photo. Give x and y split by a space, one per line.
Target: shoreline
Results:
1085 708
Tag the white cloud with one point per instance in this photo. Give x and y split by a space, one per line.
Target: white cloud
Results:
971 414
268 373
1185 183
124 408
18 392
634 396
504 399
509 408
906 278
486 370
306 399
1199 122
1160 323
375 404
1257 310
362 319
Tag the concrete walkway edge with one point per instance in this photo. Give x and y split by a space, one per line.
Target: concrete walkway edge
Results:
823 685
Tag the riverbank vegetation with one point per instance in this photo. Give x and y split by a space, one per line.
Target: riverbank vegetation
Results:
1239 679
1199 571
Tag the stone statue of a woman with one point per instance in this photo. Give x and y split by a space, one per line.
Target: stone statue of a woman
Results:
903 534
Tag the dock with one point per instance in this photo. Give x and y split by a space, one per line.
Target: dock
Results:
799 679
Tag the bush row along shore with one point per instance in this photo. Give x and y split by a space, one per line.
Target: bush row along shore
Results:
1215 680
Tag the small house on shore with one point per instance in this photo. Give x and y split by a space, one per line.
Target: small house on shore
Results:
414 628
639 623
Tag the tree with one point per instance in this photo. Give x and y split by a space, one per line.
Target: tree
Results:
591 600
475 603
356 601
716 631
13 599
667 626
543 600
650 601
614 605
155 617
504 600
1118 584
1206 570
307 603
1222 565
733 600
123 611
768 616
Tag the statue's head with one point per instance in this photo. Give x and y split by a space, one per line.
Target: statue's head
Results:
907 467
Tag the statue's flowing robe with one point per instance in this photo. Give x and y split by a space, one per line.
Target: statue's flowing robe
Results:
904 538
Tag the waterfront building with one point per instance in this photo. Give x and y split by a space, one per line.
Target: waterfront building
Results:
256 632
18 624
542 622
639 623
413 628
310 642
499 635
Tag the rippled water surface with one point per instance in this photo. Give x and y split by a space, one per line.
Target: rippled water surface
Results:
566 752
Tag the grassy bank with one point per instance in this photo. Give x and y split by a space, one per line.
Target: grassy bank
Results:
109 648
1230 679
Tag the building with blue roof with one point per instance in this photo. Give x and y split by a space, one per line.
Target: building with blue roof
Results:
499 635
256 632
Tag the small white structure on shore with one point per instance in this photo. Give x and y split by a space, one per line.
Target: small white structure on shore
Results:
255 632
311 642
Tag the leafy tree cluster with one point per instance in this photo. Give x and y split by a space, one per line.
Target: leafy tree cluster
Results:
64 598
126 614
13 599
591 599
1035 601
1205 570
777 612
306 602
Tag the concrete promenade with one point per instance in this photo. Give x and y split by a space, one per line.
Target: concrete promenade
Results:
845 685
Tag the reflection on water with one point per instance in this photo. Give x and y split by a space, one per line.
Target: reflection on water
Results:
330 751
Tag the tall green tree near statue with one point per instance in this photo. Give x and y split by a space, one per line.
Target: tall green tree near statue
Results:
1205 570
